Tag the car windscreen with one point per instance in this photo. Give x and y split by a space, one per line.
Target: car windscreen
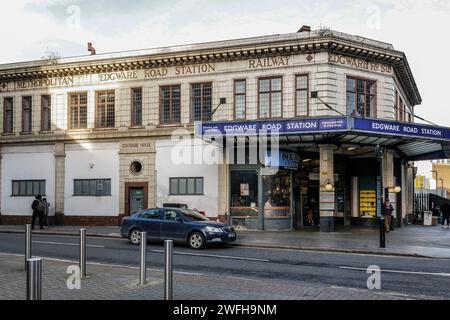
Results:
194 215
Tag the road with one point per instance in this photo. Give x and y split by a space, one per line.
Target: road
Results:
416 278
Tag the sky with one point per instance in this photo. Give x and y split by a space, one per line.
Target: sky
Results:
30 29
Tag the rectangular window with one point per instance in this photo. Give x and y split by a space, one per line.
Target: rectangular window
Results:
402 111
240 91
28 188
8 115
361 97
46 113
302 95
170 101
78 110
201 101
270 97
186 186
105 109
136 107
27 114
396 106
92 188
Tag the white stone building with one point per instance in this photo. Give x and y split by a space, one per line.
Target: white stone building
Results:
99 135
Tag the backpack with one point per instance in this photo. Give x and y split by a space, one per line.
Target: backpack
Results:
40 206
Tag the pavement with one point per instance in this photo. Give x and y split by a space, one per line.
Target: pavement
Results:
409 241
110 282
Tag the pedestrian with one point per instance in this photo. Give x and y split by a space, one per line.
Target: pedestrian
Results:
387 209
46 212
38 208
445 208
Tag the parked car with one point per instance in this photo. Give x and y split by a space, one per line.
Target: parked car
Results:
177 224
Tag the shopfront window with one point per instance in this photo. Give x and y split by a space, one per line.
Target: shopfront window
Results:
277 195
244 198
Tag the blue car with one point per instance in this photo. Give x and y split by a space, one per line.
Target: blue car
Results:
180 225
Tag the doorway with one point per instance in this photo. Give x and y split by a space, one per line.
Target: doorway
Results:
136 195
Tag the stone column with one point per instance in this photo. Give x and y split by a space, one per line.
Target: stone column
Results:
1 183
404 194
388 169
327 198
60 164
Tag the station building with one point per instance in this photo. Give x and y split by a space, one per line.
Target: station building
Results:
106 135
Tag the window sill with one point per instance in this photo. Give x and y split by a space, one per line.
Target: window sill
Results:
186 195
26 133
78 130
76 196
137 128
162 126
8 134
46 132
104 129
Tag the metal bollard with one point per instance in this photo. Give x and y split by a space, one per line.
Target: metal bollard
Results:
143 273
168 270
382 233
83 253
28 244
34 279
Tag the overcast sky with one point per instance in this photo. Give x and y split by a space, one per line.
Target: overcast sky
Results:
30 28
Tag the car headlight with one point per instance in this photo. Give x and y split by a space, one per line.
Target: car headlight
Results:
213 230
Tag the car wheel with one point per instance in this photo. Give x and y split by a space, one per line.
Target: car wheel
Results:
196 241
135 236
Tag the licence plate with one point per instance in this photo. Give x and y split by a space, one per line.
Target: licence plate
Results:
232 235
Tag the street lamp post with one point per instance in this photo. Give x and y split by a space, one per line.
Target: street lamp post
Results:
380 151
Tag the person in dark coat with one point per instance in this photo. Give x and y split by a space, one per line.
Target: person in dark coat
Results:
445 208
38 208
387 210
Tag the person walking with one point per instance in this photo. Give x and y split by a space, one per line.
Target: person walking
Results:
387 209
445 209
46 212
38 208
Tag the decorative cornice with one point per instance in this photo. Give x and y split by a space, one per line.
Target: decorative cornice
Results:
332 42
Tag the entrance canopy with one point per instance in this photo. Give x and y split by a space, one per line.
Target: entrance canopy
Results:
412 141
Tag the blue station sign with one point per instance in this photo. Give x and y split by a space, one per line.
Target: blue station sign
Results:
322 125
400 128
291 126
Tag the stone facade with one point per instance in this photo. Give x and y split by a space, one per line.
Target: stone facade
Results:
327 59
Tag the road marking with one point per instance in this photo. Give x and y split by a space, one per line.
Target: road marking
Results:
66 244
403 272
214 256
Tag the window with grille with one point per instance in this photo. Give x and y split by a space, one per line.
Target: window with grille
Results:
8 115
170 105
361 97
78 110
28 188
186 186
201 101
302 95
240 90
92 188
270 97
27 114
136 107
105 113
46 113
